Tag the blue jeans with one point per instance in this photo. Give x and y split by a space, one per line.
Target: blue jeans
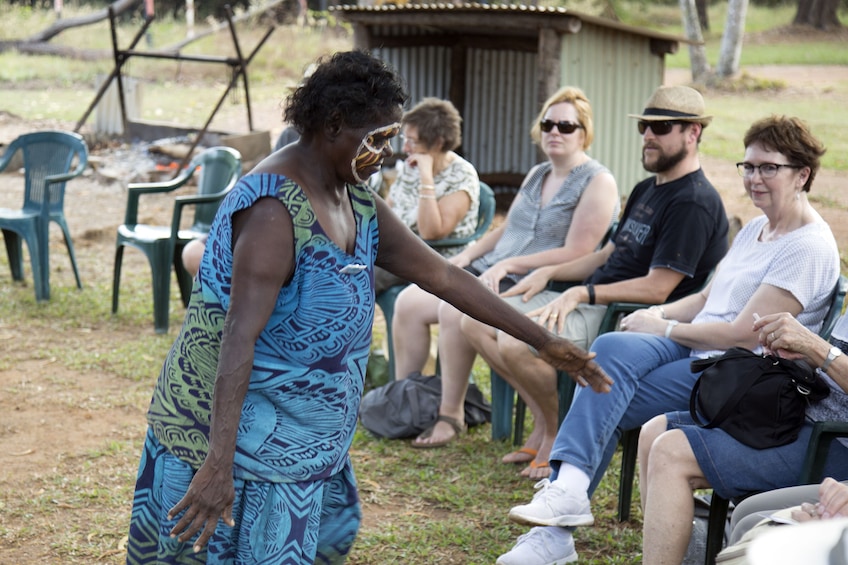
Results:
652 377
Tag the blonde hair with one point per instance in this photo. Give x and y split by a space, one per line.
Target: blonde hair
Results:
576 98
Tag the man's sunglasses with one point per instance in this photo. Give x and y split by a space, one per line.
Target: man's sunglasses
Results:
564 127
659 128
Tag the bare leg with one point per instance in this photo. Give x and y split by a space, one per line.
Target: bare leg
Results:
415 311
484 339
456 358
536 382
672 474
651 430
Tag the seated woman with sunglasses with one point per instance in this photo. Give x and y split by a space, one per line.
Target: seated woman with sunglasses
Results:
437 192
562 211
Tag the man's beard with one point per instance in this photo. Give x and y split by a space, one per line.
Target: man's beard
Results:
664 162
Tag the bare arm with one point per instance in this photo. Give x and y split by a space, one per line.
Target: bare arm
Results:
407 256
438 218
767 299
786 336
591 221
262 263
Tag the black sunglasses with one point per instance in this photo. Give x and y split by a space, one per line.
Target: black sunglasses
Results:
659 128
564 127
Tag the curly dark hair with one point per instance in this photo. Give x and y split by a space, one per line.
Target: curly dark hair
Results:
791 137
347 89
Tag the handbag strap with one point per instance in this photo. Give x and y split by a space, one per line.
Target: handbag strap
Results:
746 381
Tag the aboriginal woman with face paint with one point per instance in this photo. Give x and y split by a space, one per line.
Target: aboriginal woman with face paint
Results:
252 417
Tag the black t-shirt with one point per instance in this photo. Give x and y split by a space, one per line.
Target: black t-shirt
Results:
680 225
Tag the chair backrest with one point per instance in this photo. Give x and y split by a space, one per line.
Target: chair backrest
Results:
486 210
836 304
219 170
47 154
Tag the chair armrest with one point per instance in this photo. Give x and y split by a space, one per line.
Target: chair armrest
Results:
135 190
180 202
817 450
449 241
615 310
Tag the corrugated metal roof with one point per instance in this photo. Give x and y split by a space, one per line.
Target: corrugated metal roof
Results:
544 13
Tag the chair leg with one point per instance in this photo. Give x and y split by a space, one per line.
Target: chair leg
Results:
715 528
160 266
503 397
70 246
40 259
520 413
630 448
14 251
565 391
116 276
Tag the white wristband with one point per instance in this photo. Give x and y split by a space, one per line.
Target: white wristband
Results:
669 327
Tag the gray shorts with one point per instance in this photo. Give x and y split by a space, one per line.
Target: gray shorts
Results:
581 325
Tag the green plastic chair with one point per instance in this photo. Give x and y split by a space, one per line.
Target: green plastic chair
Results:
386 299
219 169
48 157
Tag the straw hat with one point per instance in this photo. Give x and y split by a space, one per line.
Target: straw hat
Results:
674 103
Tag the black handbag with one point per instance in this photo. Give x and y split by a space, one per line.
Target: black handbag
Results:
760 400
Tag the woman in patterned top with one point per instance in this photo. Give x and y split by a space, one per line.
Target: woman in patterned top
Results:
437 193
252 417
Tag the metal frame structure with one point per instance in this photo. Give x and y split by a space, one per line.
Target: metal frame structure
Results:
238 68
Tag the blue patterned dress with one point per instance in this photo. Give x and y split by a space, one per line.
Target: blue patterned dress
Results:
296 499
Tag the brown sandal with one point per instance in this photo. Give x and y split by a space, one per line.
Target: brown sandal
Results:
458 428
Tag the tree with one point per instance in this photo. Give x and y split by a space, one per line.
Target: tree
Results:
731 41
703 14
820 14
697 53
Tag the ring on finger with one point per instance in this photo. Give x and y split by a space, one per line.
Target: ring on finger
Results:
771 336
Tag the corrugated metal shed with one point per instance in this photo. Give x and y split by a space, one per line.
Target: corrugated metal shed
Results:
498 64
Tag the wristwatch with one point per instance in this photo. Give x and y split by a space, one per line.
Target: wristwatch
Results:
831 355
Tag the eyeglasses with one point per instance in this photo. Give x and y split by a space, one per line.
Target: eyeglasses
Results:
413 143
377 140
563 127
658 128
767 170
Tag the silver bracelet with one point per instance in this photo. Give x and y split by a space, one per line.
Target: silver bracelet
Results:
427 196
669 327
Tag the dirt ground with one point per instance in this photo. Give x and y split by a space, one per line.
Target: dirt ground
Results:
49 412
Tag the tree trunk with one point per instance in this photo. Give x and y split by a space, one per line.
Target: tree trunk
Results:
697 53
731 42
120 6
820 14
703 14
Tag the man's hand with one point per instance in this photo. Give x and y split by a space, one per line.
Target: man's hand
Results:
553 314
563 355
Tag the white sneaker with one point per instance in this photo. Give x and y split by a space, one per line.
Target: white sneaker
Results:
554 505
541 546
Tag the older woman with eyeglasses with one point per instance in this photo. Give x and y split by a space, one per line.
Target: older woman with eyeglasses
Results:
792 251
562 211
437 193
783 261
